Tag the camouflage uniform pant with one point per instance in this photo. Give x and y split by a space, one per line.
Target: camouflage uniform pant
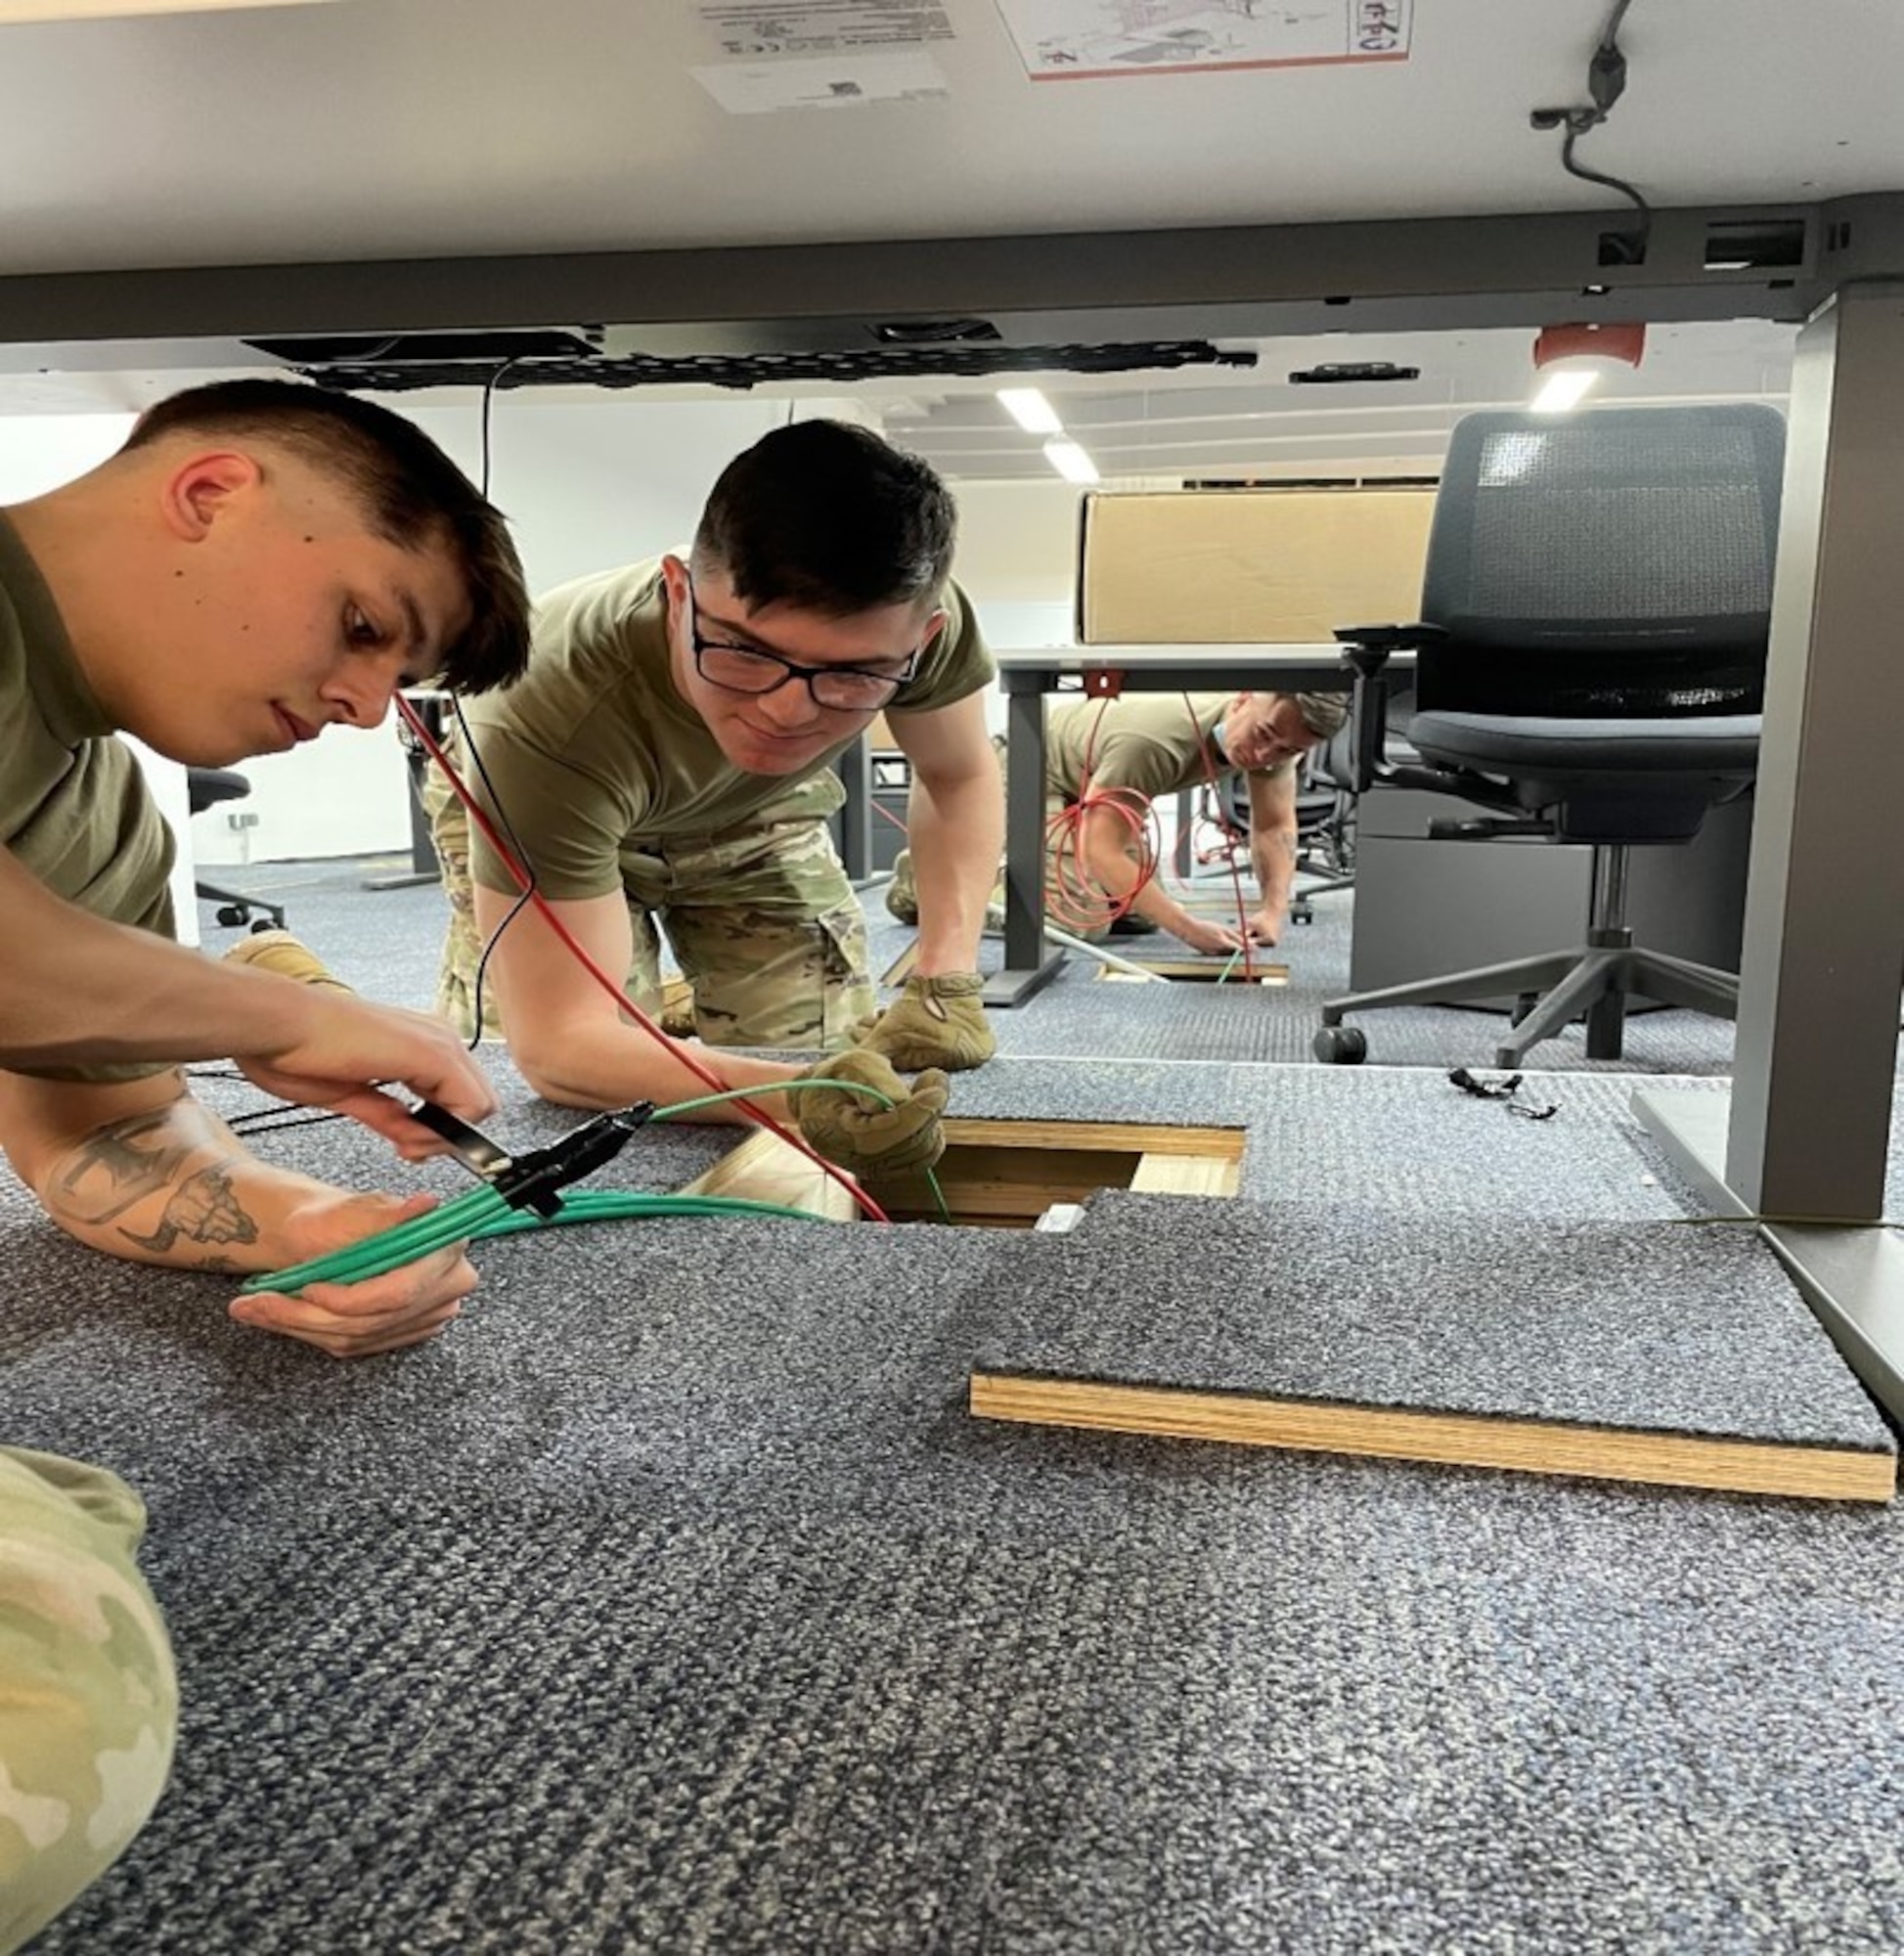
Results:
761 920
88 1697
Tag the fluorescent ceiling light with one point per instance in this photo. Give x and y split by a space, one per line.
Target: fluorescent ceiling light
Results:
1561 389
1069 460
1030 410
22 11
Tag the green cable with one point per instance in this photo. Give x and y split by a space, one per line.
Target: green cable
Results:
1223 977
391 1249
483 1212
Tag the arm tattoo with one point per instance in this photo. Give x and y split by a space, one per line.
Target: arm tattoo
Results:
205 1210
127 1161
111 1171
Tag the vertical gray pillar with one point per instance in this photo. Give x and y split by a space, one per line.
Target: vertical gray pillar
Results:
1027 965
1824 939
855 770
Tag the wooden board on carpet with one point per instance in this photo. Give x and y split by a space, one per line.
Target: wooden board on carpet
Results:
1664 1459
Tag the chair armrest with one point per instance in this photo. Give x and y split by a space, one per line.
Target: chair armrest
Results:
1367 648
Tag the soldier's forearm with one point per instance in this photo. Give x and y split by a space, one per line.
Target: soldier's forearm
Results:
1276 866
75 988
168 1184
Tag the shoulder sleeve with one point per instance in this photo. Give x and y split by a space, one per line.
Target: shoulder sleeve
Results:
957 662
103 844
567 822
1137 760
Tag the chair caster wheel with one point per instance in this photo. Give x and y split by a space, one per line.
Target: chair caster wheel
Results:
1301 914
263 923
1340 1046
231 915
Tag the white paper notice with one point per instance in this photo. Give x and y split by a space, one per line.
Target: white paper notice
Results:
1063 40
761 29
755 88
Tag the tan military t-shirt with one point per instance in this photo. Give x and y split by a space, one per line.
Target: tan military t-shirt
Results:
1150 743
595 751
73 805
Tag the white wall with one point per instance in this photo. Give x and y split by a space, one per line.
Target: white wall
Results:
585 483
604 480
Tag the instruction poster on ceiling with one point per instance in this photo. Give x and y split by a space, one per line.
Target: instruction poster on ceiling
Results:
821 53
751 30
1071 40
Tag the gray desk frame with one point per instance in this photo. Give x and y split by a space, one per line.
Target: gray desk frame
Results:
1027 675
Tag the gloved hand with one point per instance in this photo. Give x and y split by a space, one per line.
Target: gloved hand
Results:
933 1022
855 1132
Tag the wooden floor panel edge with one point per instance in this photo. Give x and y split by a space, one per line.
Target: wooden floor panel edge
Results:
1132 1137
763 1168
1613 1453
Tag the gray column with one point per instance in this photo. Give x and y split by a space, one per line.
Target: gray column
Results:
1823 941
1807 1130
1028 964
855 770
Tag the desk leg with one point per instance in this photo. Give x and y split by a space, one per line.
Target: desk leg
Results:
1028 963
855 768
424 866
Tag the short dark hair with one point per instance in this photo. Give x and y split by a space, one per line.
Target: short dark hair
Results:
828 517
411 493
1323 713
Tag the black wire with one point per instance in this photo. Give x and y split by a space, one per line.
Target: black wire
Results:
489 395
1606 82
1636 247
516 849
269 1119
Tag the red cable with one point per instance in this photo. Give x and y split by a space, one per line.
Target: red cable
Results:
526 883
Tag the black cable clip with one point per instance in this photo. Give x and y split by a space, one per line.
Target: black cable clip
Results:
533 1180
1503 1091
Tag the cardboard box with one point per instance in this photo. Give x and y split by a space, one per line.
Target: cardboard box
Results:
1248 566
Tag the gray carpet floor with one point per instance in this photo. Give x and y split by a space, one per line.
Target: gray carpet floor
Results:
387 942
673 1602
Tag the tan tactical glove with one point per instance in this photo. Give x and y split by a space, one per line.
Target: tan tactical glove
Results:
855 1132
280 952
934 1022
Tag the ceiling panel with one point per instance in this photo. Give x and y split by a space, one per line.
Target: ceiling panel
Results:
396 129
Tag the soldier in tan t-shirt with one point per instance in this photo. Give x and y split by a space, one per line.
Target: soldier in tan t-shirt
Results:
664 764
1112 758
260 561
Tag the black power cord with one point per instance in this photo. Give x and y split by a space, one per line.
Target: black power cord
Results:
1606 84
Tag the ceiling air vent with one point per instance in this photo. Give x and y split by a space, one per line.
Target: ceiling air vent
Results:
934 332
1344 373
383 366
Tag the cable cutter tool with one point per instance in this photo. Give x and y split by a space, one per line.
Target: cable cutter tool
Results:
535 1179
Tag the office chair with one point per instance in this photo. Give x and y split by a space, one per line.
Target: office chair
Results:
1595 607
206 788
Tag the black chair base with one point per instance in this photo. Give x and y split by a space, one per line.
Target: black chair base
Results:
234 910
1591 981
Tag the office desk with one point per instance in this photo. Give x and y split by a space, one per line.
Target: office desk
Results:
1027 675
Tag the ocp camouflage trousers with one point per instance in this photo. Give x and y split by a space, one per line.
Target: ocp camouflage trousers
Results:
88 1696
762 921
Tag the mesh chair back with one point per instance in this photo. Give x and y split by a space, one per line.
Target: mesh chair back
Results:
1611 565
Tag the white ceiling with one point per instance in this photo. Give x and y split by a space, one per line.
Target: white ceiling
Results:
395 129
1256 423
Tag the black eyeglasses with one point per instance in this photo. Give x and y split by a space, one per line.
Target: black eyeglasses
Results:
746 669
